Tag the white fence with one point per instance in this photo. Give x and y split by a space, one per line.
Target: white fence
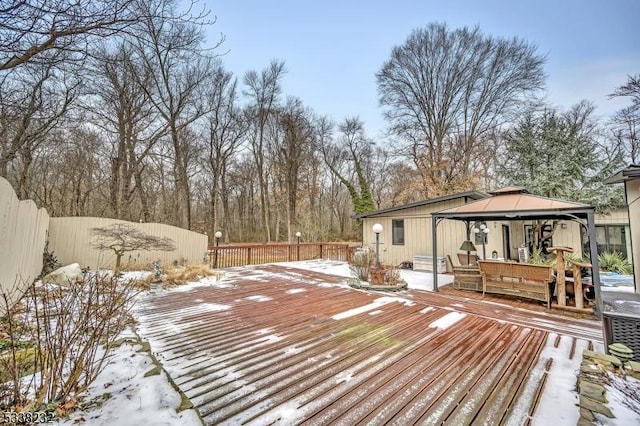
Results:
70 240
23 232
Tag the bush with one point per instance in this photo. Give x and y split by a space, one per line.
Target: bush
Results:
59 333
49 261
614 261
361 263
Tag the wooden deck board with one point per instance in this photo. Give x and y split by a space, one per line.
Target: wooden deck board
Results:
277 344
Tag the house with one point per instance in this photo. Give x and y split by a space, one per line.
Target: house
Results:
407 230
630 176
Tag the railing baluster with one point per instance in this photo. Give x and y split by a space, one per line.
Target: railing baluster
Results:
254 254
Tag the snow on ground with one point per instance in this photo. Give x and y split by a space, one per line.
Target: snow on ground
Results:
123 396
128 398
331 267
416 280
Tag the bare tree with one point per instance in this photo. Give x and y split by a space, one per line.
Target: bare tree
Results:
263 90
31 31
626 122
179 71
120 106
123 238
33 101
445 89
226 127
297 132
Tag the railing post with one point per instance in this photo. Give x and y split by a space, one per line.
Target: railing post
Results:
248 255
321 252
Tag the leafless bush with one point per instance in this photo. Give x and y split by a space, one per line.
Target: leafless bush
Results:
361 263
392 276
56 340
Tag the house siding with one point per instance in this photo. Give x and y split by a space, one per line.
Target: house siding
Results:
451 233
417 233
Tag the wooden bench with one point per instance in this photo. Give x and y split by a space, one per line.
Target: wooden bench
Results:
467 278
517 279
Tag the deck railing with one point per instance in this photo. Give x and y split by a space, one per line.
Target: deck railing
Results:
226 256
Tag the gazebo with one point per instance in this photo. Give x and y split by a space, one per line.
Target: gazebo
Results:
515 203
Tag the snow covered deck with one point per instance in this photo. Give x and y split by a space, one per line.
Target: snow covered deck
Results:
274 343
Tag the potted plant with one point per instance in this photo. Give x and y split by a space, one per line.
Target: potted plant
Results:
377 274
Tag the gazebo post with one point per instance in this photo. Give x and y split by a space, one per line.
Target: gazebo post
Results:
595 270
434 246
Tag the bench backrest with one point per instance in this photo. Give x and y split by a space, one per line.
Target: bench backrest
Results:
472 260
526 271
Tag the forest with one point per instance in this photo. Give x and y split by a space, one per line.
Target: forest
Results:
125 110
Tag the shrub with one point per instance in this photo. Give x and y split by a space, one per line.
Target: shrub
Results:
179 275
392 276
361 263
614 261
59 333
538 258
49 261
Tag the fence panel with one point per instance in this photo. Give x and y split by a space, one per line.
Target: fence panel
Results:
70 240
23 233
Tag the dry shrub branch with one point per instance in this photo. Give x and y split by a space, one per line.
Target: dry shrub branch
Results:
55 340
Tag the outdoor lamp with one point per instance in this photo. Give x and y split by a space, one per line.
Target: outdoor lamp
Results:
298 235
377 229
217 235
468 247
485 231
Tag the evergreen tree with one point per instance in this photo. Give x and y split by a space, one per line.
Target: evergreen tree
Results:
560 155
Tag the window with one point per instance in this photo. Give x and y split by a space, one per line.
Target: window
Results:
610 238
397 232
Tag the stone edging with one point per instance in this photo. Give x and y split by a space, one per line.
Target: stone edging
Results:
592 379
366 286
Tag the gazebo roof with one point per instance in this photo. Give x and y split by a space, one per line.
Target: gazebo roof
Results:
515 203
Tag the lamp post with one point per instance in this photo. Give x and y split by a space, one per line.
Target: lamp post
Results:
218 235
298 235
485 231
377 229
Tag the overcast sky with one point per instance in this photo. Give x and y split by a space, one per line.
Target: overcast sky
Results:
332 49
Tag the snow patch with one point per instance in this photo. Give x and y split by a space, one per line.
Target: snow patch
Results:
362 309
447 320
258 298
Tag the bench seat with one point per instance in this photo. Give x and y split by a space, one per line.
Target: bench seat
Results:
517 279
467 278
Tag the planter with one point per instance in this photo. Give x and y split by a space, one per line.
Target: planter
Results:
377 276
